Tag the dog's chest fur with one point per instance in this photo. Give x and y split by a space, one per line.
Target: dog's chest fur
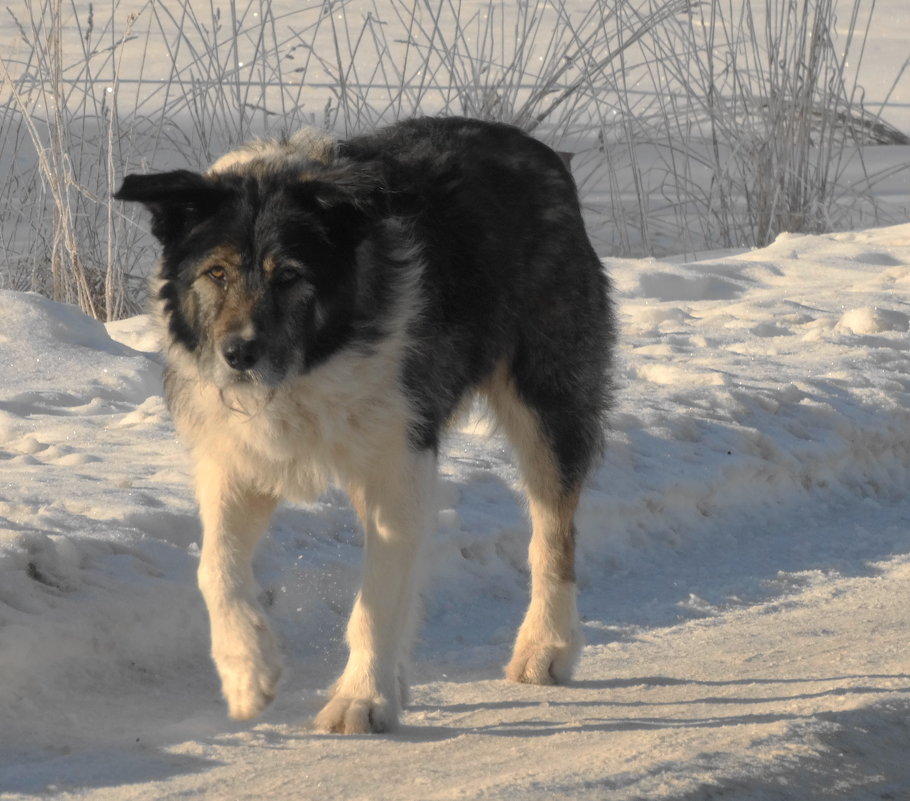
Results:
328 426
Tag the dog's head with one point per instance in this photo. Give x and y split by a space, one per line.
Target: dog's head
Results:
259 268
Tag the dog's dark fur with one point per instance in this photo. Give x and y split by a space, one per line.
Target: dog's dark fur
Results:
329 307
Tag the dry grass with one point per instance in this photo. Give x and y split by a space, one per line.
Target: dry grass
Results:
753 127
705 127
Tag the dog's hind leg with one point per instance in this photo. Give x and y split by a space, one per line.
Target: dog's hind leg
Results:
243 646
549 640
396 506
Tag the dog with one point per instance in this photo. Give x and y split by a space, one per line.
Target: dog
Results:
329 307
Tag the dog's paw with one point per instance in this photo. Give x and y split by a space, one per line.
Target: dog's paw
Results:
536 662
249 664
345 715
549 640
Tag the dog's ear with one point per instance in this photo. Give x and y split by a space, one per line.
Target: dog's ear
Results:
176 199
349 200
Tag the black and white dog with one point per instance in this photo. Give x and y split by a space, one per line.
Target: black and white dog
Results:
329 308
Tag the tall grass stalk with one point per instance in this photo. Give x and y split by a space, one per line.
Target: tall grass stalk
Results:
755 121
69 279
94 105
693 124
176 83
538 64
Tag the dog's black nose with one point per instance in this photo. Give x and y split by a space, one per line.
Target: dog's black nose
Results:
241 353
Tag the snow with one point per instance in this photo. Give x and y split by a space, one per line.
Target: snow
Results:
744 555
744 567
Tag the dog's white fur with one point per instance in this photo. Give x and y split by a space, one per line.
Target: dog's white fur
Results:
308 144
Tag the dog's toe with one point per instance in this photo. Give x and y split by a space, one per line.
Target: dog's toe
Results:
356 716
542 663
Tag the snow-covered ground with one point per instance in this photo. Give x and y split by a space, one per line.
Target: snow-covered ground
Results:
745 567
744 554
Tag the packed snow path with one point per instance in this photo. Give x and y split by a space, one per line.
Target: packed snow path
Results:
745 567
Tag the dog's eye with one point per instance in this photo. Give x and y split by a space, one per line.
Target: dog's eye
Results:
217 274
286 276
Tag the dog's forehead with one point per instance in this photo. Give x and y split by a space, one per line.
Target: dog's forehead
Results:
263 208
289 216
264 222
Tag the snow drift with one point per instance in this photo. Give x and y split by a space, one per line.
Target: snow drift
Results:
743 566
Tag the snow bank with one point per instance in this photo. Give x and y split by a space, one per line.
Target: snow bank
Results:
754 381
757 392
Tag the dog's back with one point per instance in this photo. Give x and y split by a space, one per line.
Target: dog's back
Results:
510 279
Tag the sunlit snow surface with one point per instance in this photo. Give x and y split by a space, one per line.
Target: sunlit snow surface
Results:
744 566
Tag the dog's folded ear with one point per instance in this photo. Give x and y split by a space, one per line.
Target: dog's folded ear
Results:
176 199
348 198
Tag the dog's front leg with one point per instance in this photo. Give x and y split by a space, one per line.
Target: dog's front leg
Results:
234 518
396 509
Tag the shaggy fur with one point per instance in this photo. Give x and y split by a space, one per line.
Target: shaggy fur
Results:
329 306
